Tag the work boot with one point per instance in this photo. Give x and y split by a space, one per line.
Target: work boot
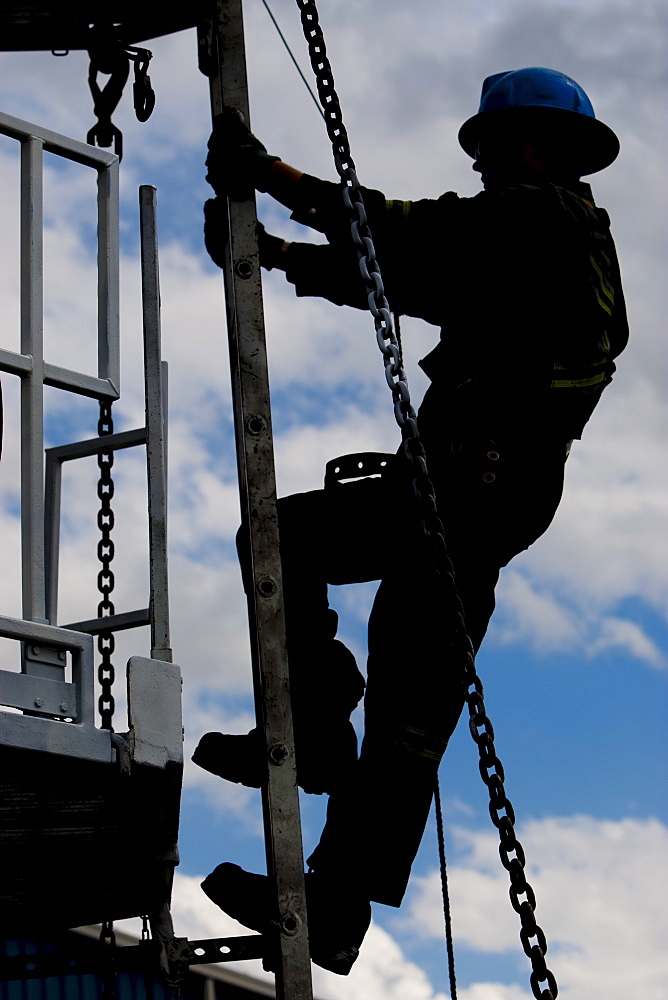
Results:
326 687
236 758
337 919
325 754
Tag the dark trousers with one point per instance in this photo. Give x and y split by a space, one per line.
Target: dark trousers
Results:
495 497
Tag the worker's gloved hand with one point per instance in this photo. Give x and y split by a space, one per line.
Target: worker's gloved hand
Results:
216 235
237 160
216 229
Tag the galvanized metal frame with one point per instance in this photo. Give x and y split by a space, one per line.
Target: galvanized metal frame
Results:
29 364
223 59
154 436
40 690
78 738
55 458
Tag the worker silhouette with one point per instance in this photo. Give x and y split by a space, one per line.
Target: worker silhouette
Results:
524 283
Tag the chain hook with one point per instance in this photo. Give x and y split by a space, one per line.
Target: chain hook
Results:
107 55
142 91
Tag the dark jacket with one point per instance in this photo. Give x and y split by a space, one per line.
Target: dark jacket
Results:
522 279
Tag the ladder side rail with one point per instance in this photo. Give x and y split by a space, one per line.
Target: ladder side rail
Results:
226 67
154 383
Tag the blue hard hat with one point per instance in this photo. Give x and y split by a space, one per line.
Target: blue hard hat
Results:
552 99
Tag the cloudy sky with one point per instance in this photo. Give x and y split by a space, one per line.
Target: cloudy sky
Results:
575 662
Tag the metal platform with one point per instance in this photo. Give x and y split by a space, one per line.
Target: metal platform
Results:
66 24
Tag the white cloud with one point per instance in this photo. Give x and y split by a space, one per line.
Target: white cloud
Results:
621 634
528 615
493 991
599 887
547 620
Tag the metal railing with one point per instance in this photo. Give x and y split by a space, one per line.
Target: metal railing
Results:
29 364
41 690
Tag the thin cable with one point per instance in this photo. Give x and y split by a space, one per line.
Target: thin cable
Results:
297 66
446 894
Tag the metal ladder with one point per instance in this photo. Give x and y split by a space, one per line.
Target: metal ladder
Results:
223 61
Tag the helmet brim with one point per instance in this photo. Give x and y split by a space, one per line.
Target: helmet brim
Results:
588 144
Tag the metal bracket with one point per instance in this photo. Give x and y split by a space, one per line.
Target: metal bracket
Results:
43 661
170 958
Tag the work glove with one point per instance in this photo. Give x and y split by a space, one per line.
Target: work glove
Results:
237 160
216 235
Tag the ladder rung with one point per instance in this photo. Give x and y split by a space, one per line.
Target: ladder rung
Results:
234 949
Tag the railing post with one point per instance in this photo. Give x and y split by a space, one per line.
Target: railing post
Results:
32 406
155 426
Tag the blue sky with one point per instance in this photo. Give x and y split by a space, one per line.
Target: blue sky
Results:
574 665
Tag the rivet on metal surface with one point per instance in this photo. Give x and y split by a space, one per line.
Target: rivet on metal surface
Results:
35 650
243 268
255 424
63 706
39 702
267 587
62 655
289 924
278 754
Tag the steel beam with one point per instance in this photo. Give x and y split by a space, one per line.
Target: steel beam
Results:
223 59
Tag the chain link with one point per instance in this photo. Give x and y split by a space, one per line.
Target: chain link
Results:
480 725
105 578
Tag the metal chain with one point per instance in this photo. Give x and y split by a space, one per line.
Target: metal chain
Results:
426 499
491 772
105 578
